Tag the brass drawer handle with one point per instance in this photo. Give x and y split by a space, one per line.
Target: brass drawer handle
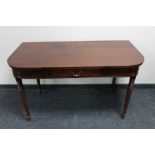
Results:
76 74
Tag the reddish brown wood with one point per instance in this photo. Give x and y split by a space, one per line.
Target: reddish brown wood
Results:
24 98
39 86
113 83
74 60
70 72
128 95
75 54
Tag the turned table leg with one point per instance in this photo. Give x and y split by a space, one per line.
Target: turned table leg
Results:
128 95
113 83
39 86
24 98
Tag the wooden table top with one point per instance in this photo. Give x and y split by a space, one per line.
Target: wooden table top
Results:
75 54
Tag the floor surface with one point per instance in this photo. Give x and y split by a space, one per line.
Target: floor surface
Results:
78 107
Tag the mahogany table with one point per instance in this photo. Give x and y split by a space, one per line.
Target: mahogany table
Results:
43 60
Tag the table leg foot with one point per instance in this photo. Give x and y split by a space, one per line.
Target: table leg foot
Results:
128 95
28 117
39 86
113 83
122 116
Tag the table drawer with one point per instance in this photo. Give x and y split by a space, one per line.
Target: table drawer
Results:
77 73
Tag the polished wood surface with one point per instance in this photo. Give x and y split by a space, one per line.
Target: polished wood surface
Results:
75 54
43 60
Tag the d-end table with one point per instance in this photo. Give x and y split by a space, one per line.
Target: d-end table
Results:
44 60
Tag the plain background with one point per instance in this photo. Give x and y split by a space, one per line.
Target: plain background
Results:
142 38
77 13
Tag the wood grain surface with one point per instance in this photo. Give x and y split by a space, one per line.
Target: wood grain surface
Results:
75 54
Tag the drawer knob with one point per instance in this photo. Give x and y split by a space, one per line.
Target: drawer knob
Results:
76 74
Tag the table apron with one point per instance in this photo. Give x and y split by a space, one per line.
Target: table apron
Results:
74 73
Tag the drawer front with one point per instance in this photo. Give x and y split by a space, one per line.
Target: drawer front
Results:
77 73
74 73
